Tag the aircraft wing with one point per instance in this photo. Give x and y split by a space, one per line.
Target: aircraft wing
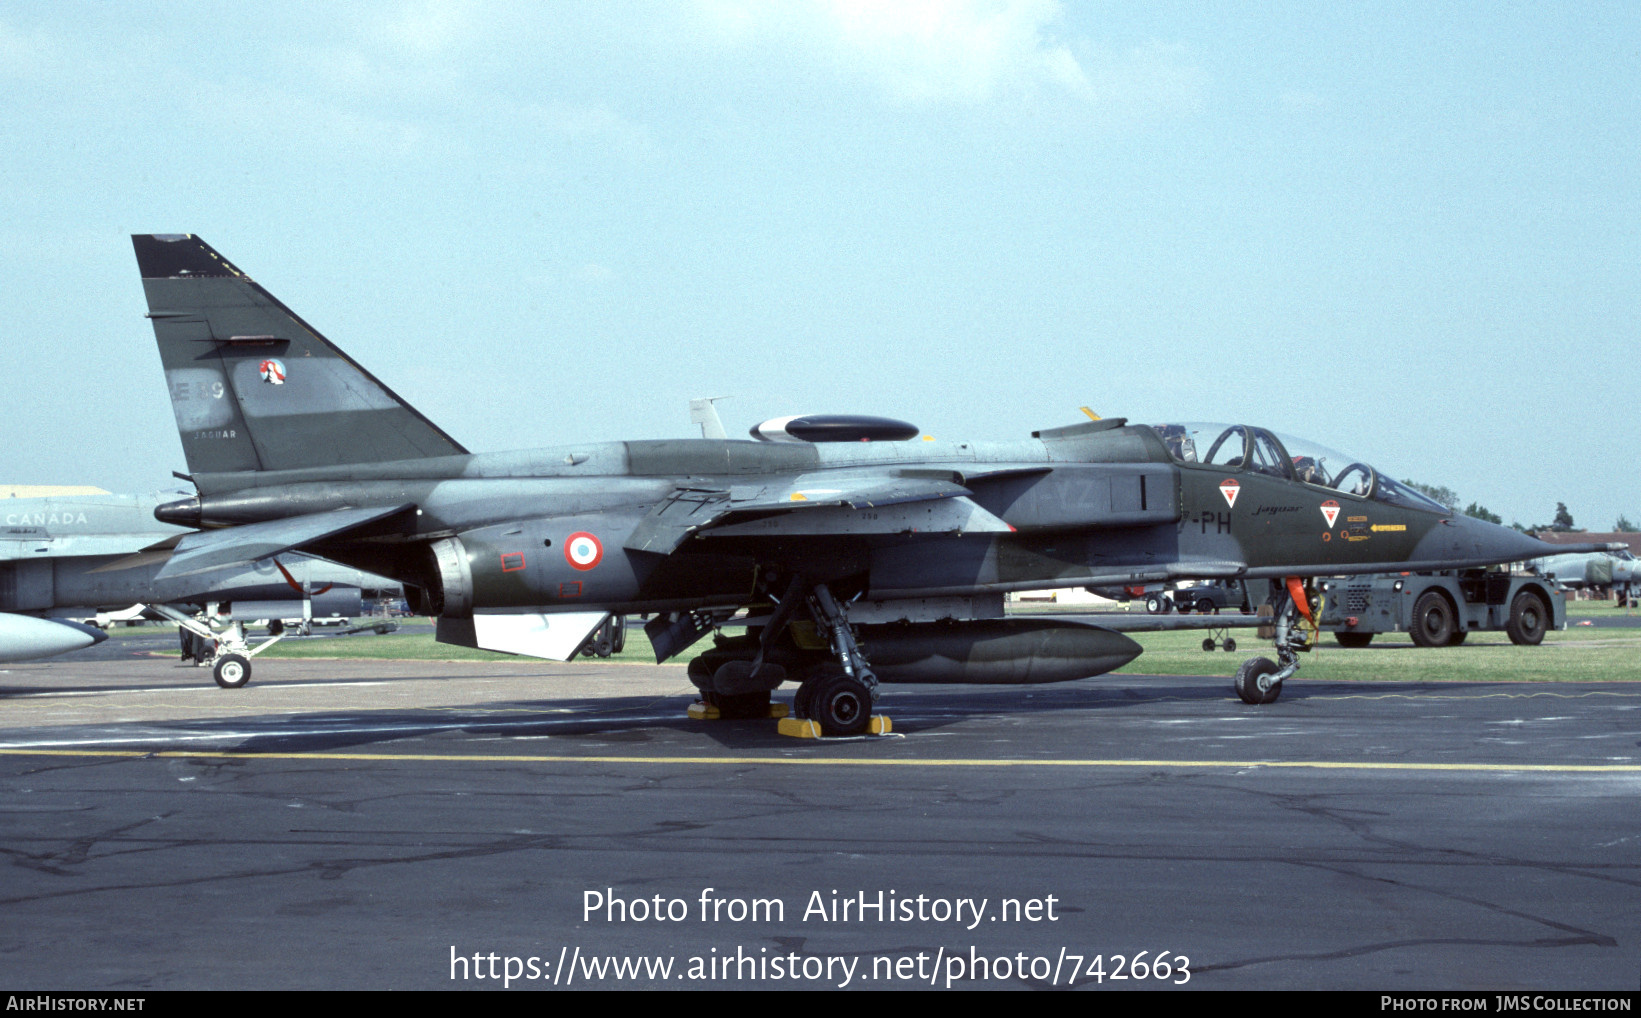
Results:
830 506
213 549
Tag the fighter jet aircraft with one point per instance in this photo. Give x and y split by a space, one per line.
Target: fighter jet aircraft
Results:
848 563
74 555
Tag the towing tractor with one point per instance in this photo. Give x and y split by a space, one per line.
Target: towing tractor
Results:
1440 609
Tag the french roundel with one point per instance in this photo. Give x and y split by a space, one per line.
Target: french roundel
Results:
583 551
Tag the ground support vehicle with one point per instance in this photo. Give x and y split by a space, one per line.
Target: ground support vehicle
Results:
1440 609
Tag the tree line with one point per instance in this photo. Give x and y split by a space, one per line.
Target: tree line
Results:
1561 523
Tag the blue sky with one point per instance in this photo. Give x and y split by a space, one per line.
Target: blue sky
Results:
1407 231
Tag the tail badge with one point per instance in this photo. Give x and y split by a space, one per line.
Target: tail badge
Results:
272 371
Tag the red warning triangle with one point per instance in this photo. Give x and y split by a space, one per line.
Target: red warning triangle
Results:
1229 489
1330 512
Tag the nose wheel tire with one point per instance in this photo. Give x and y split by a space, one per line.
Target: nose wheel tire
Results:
231 671
1253 685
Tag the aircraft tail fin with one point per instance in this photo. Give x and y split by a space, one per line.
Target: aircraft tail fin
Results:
253 386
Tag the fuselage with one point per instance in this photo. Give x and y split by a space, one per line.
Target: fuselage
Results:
554 528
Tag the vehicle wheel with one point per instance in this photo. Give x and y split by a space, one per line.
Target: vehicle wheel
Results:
739 706
1457 637
1432 620
1528 619
1208 644
1230 644
1207 607
1153 604
618 634
1253 683
276 627
841 704
231 671
1357 640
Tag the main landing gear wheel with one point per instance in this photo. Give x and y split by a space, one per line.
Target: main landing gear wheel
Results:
739 706
800 699
840 704
1253 681
1432 620
231 671
1528 619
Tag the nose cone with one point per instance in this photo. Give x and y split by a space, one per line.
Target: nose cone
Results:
1465 541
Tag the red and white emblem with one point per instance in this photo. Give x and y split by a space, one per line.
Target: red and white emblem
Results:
1330 512
1229 489
272 371
583 551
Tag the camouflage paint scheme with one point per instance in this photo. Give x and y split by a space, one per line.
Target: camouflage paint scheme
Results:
293 445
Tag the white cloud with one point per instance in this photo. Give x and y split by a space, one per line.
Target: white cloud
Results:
917 50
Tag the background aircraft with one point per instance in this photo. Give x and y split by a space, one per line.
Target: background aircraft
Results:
848 562
1618 570
76 556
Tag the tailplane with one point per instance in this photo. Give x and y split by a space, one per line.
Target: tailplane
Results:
253 386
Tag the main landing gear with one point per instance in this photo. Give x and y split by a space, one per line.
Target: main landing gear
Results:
1259 679
836 686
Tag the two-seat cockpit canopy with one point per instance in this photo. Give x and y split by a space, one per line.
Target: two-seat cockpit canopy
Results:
1239 447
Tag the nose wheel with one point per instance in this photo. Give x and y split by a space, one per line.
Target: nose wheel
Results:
1256 683
231 671
1259 680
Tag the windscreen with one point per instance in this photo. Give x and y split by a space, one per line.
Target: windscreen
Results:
1234 447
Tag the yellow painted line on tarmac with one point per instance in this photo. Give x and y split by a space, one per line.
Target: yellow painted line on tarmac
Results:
742 761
